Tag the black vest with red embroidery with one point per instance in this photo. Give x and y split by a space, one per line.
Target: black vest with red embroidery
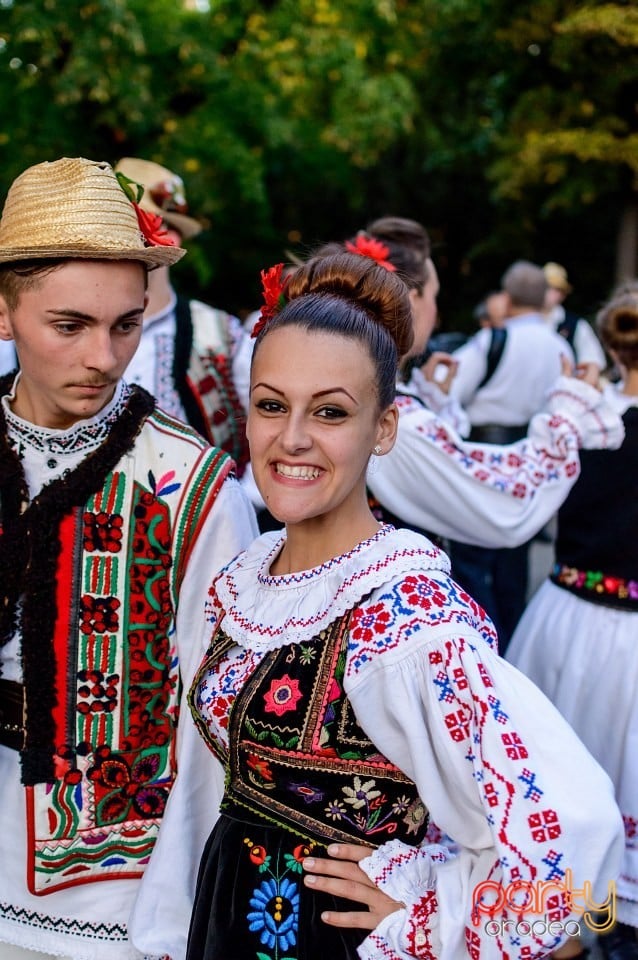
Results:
299 759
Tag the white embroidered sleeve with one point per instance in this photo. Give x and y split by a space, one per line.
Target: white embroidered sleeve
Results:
499 770
485 494
444 405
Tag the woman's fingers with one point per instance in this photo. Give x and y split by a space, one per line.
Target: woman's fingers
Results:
341 876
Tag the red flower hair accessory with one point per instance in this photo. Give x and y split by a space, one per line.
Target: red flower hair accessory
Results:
374 249
274 293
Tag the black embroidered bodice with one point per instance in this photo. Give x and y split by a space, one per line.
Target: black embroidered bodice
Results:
299 759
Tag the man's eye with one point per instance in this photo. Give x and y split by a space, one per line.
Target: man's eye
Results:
67 327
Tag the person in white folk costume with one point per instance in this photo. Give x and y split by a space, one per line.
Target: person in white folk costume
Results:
352 691
112 516
436 481
577 637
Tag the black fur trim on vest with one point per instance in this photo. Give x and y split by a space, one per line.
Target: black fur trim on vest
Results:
29 550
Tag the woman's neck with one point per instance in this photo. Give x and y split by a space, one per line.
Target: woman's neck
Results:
630 383
313 542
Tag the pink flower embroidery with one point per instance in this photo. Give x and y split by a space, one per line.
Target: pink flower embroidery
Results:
284 695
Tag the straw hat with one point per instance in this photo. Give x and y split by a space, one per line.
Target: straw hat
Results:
556 277
164 193
74 209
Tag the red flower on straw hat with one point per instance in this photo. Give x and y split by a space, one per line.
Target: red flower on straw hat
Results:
150 224
374 249
274 293
152 230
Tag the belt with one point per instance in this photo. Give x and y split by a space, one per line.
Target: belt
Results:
12 715
597 586
497 433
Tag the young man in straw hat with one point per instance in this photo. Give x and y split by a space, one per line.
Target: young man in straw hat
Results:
194 358
114 518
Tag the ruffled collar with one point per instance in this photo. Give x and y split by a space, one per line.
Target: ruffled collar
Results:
264 612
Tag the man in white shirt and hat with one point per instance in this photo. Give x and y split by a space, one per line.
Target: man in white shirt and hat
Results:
578 332
193 358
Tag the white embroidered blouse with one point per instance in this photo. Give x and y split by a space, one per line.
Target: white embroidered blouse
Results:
487 494
499 770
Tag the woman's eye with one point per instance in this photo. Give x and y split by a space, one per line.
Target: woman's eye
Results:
269 406
332 413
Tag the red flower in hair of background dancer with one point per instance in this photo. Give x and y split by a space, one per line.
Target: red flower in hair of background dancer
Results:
374 249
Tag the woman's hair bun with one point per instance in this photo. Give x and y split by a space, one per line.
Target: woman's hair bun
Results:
618 323
362 283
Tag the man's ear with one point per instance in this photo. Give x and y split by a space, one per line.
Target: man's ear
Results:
6 330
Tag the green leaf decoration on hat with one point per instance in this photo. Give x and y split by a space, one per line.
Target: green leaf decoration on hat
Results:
133 190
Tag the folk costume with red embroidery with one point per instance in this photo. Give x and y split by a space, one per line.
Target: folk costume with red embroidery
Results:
118 524
110 512
352 702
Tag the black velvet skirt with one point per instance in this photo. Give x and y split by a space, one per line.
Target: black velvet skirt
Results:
251 902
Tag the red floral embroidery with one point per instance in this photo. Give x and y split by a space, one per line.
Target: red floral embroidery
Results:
369 621
257 855
421 592
261 767
302 851
128 785
284 694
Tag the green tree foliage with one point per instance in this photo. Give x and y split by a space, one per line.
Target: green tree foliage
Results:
501 125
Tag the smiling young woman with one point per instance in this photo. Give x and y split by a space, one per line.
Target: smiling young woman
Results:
352 690
313 425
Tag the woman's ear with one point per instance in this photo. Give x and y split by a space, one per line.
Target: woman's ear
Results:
387 429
